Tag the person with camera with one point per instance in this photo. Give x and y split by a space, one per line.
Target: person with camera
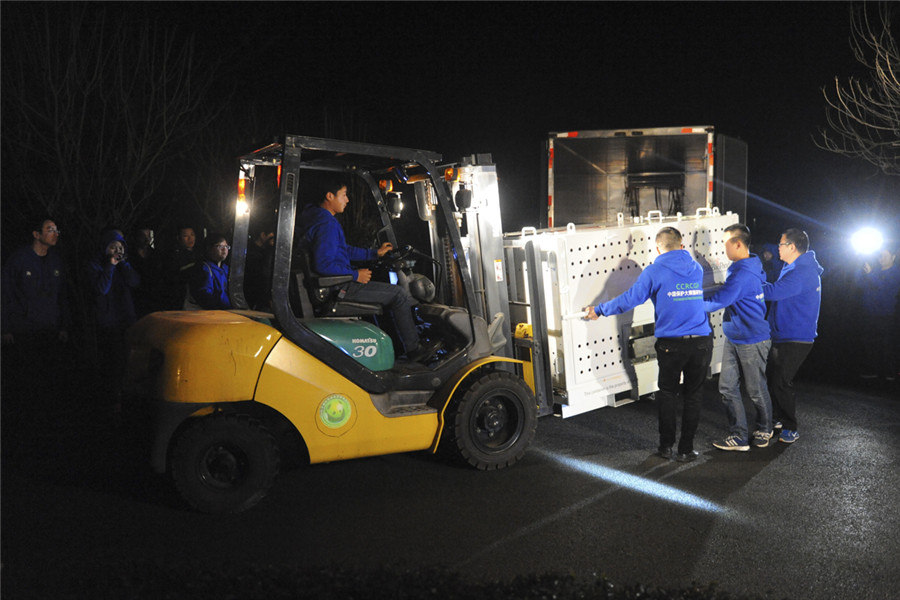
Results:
112 281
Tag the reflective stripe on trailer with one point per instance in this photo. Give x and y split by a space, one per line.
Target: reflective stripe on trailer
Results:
710 171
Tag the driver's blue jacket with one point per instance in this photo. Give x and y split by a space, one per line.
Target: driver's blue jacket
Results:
331 254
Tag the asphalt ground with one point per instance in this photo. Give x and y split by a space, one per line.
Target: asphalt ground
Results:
589 512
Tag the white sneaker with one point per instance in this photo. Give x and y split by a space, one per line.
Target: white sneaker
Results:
761 439
732 442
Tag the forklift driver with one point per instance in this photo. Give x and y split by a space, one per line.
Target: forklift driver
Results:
331 255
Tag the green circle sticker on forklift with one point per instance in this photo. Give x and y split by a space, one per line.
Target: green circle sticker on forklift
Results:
335 411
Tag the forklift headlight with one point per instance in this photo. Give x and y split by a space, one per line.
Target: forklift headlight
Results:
463 199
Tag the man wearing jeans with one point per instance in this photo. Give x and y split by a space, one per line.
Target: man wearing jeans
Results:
331 255
674 283
793 316
747 342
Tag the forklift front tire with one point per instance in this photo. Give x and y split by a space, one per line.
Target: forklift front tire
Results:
491 425
224 463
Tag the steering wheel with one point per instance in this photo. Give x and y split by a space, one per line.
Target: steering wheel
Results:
394 256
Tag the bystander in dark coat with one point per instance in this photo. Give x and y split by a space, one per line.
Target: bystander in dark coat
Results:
177 269
879 283
146 262
112 281
35 327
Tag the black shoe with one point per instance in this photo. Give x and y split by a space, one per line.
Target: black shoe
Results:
424 351
687 457
664 452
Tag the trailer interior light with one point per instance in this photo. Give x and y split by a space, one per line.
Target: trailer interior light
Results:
867 240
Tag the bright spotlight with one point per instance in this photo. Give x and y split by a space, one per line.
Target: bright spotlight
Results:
867 240
242 208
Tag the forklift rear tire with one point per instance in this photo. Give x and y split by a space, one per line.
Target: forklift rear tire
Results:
492 423
224 463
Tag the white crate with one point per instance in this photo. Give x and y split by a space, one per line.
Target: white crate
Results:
586 265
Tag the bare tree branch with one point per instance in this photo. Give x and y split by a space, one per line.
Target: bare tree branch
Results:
863 117
96 107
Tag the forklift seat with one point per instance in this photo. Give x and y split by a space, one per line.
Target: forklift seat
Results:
323 297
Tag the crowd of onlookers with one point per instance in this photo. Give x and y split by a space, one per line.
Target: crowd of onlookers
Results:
126 278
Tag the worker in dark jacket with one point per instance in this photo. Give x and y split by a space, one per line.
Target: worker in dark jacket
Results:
793 317
35 324
177 268
332 255
258 269
879 282
35 299
112 281
772 265
747 342
674 283
209 278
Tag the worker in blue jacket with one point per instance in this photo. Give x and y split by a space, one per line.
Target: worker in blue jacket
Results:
332 255
674 283
208 283
793 317
747 342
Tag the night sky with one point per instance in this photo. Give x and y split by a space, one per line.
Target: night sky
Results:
465 78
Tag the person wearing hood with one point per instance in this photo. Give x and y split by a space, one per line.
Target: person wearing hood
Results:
793 317
674 283
209 278
747 342
332 255
112 281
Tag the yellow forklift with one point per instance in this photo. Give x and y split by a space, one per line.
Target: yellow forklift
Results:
234 395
